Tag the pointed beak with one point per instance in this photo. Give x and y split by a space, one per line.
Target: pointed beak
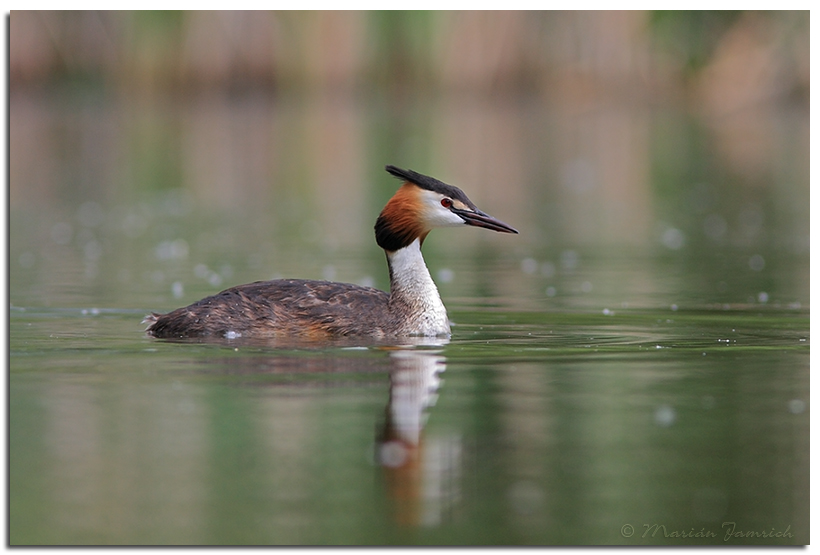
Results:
480 219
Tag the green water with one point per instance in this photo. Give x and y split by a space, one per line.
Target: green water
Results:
527 427
633 368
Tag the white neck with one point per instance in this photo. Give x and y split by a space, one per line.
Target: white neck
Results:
414 297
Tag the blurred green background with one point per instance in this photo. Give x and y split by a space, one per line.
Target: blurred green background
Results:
651 319
676 132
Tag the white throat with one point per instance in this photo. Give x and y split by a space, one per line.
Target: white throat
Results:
414 297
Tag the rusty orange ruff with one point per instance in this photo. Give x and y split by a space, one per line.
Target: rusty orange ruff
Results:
402 215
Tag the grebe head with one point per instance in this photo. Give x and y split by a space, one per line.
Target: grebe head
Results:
423 203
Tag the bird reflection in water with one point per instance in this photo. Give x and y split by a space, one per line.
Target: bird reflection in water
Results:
421 474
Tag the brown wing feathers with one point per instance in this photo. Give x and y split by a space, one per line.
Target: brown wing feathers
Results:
280 307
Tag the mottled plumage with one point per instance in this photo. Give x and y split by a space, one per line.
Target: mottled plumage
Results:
320 309
283 307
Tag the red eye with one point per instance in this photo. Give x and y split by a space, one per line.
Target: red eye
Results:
446 202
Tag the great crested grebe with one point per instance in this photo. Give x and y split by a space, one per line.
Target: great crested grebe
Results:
315 309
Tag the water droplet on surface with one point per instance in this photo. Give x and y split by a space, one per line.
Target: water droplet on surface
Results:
796 406
201 271
673 238
177 289
757 263
446 275
172 250
529 265
392 454
665 416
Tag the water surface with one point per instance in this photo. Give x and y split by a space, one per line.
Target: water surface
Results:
526 427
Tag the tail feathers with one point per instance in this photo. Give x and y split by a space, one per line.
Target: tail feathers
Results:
150 319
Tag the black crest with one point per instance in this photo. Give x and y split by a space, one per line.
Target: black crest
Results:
430 183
